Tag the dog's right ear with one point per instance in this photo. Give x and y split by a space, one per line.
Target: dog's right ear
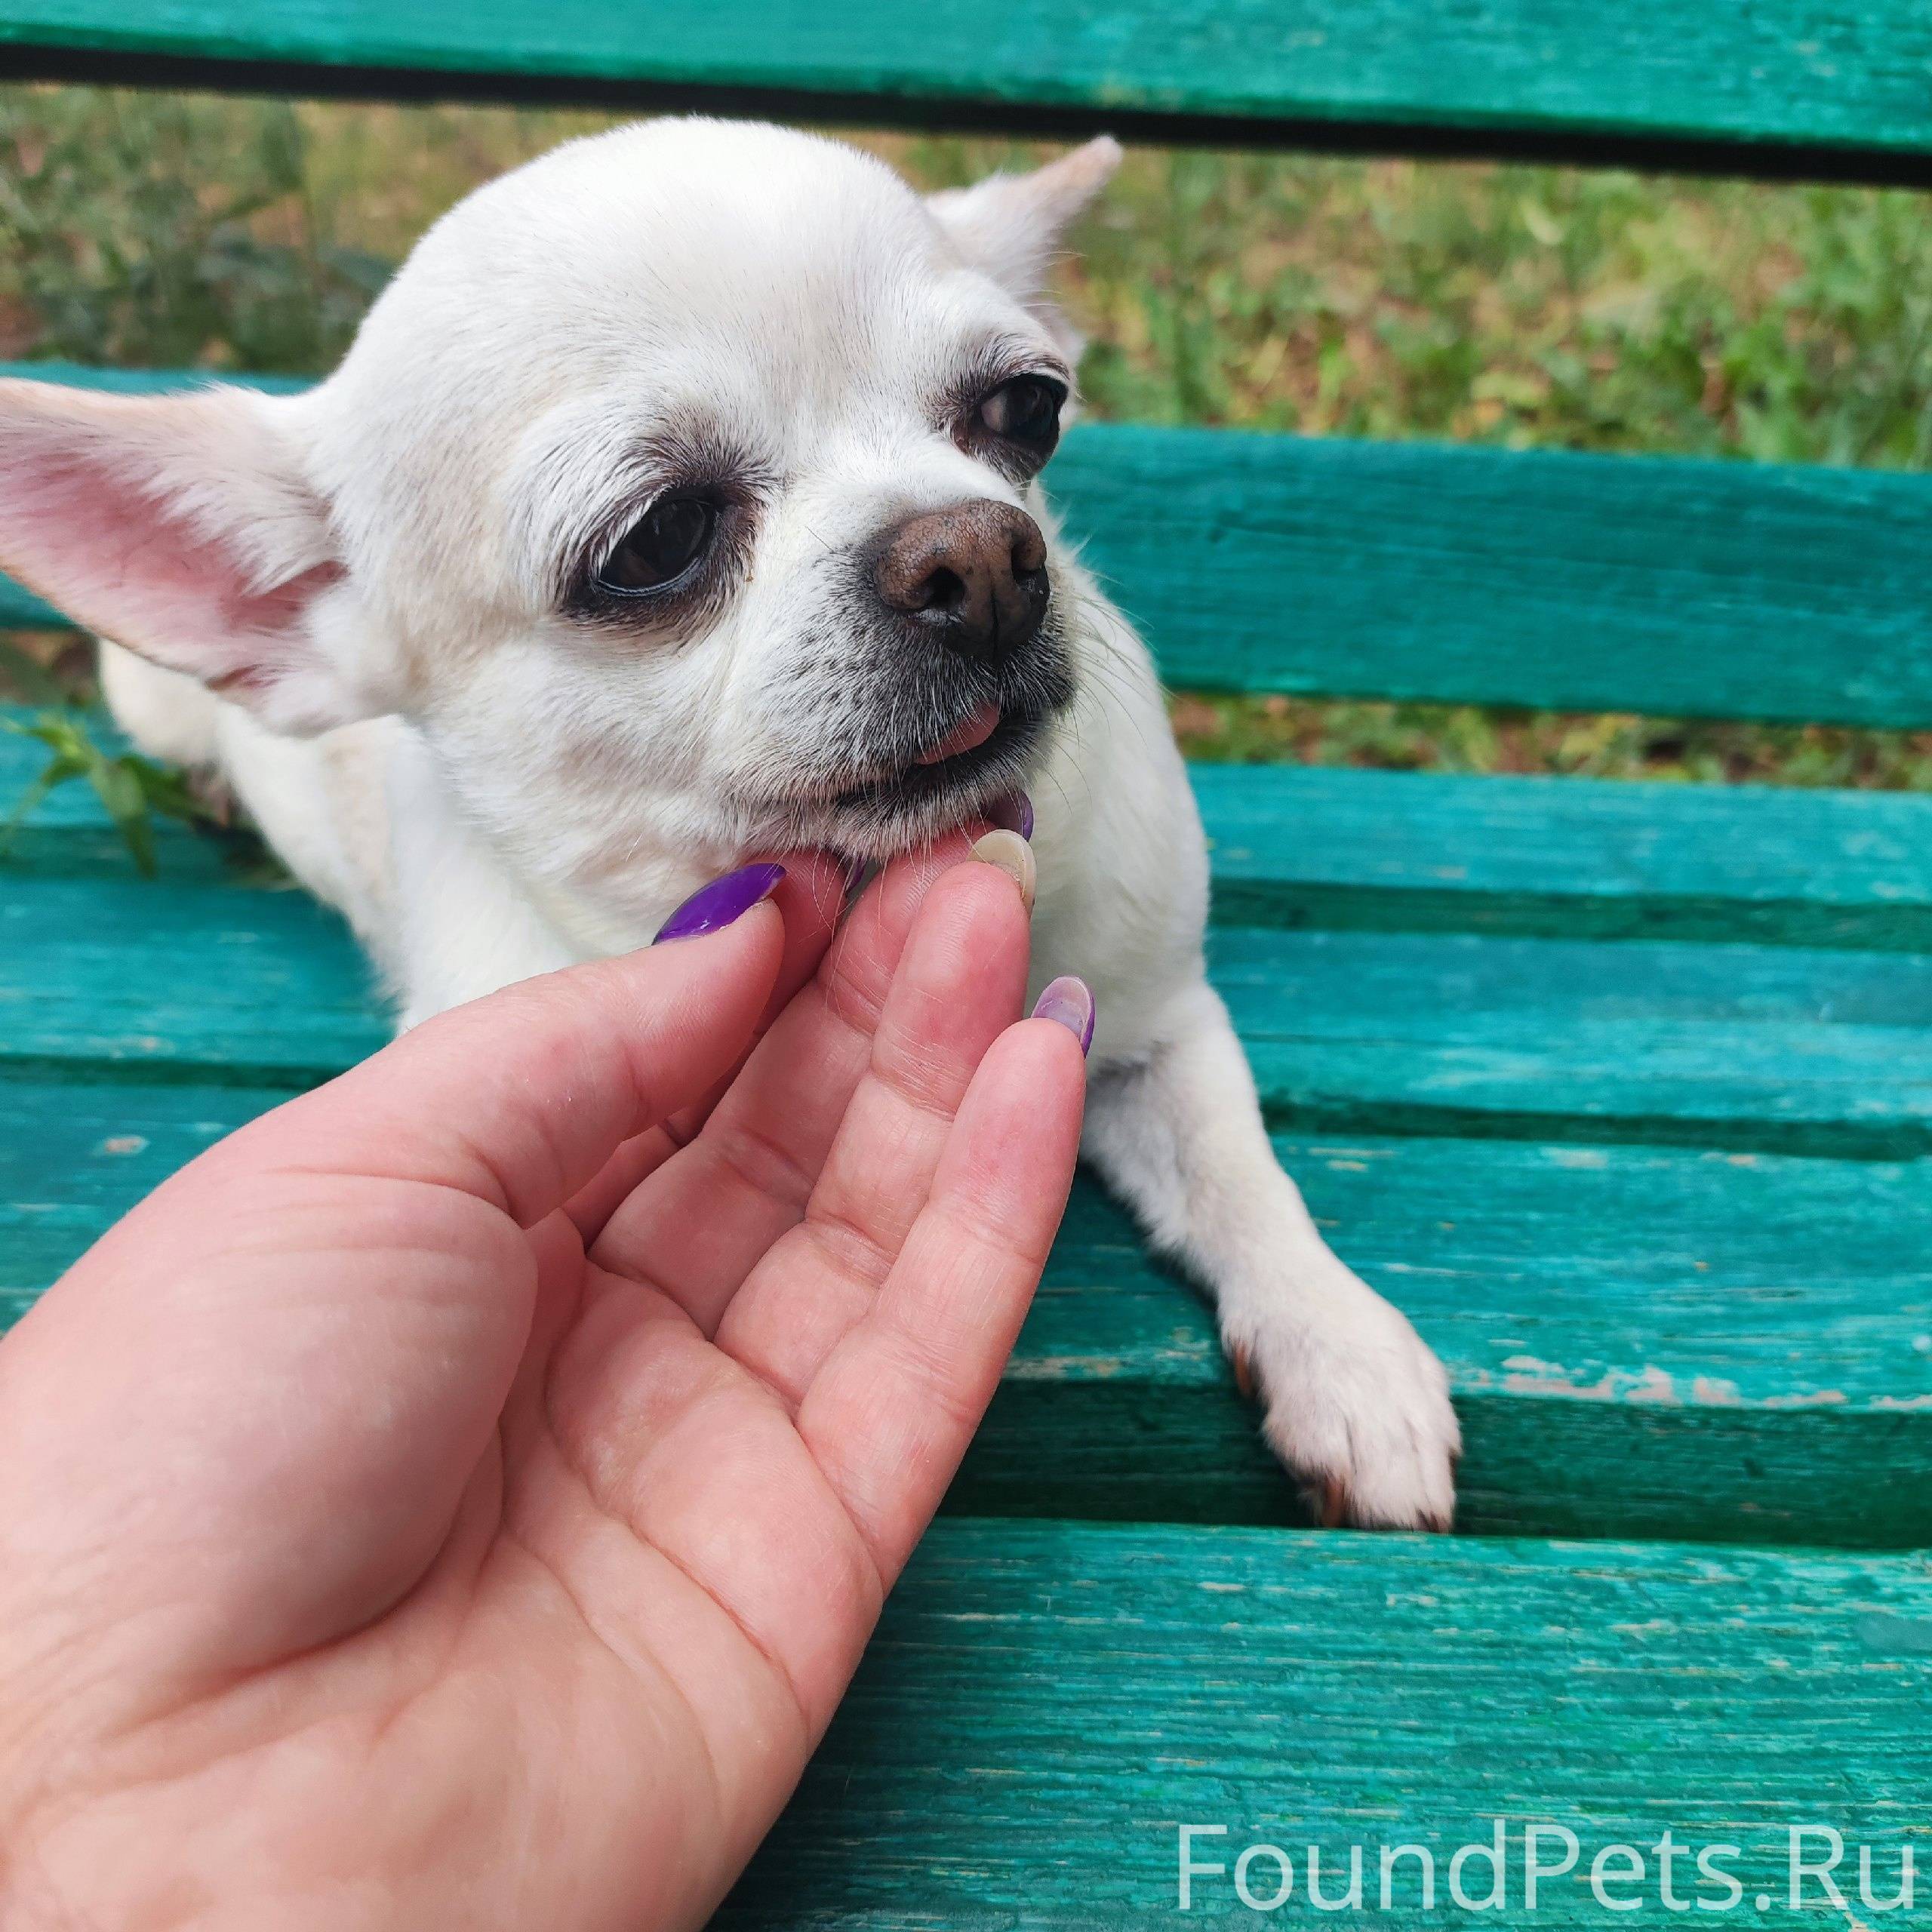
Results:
1010 226
180 527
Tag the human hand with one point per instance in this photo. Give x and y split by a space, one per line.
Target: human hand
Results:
371 1556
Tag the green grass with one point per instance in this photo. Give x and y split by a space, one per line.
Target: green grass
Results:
1508 305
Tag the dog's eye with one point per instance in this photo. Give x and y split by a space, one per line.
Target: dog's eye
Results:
661 546
1024 412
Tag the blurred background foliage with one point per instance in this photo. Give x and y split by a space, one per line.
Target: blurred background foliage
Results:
1511 305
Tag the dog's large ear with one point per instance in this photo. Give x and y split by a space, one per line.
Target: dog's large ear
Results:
1010 226
179 526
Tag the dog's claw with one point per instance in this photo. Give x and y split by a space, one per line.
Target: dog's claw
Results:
213 795
1243 1366
1354 1404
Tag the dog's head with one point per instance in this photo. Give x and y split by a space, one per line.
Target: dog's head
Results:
682 483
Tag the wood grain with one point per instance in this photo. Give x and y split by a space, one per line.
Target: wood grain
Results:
1044 1704
1425 571
1647 1340
167 979
1753 86
1744 1047
1572 858
1540 578
1738 1047
1297 846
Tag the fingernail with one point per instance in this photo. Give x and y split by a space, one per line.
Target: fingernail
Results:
1071 1002
1013 857
1014 813
716 905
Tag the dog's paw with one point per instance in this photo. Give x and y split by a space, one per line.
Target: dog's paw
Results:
1355 1404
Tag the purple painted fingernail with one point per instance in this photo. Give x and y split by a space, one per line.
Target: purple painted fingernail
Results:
1014 813
716 905
1071 1002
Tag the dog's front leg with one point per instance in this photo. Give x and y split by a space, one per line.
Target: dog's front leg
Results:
1356 1406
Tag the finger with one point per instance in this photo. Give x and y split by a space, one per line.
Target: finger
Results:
697 1226
591 1207
519 1099
810 898
959 984
890 1412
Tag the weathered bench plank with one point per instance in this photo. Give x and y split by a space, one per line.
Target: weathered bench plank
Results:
1723 1046
1526 577
1642 1340
1355 850
179 981
1740 1046
1420 570
1044 1704
1574 858
1775 86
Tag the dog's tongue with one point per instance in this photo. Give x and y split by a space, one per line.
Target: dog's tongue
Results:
980 726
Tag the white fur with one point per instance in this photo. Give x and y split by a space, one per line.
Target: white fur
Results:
507 789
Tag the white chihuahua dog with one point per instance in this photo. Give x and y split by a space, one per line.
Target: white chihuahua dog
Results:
678 500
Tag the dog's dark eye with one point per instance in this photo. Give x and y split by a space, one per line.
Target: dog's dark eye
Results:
661 546
1024 412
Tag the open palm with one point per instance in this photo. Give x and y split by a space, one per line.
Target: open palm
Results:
372 1555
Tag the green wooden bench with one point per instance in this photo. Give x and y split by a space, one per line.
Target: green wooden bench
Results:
1623 1091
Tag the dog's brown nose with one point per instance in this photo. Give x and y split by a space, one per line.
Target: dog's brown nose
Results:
975 576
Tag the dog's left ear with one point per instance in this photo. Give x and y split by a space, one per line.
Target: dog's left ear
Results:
180 527
1010 226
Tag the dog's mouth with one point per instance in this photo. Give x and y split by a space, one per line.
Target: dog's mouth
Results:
986 753
906 753
979 725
